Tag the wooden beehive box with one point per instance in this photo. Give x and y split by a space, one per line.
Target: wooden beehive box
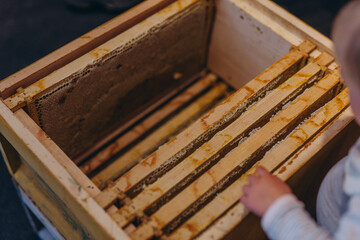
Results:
148 126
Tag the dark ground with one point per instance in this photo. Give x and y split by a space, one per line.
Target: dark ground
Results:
30 29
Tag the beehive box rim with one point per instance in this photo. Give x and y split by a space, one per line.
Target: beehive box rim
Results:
51 171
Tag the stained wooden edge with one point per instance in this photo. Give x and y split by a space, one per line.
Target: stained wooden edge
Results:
80 46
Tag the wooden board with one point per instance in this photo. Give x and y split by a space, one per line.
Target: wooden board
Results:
241 48
250 35
205 127
284 23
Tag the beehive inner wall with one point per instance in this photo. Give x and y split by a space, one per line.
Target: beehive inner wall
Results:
243 42
94 101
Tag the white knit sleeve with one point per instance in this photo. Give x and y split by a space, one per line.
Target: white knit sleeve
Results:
287 219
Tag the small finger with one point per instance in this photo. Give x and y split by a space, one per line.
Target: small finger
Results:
261 171
246 189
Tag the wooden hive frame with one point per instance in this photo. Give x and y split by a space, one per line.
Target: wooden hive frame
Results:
158 200
129 207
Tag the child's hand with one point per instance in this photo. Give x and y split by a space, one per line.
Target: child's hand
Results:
262 190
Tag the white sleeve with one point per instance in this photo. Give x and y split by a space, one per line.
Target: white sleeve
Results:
349 225
287 219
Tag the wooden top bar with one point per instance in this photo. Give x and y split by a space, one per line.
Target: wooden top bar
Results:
245 123
277 73
271 160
